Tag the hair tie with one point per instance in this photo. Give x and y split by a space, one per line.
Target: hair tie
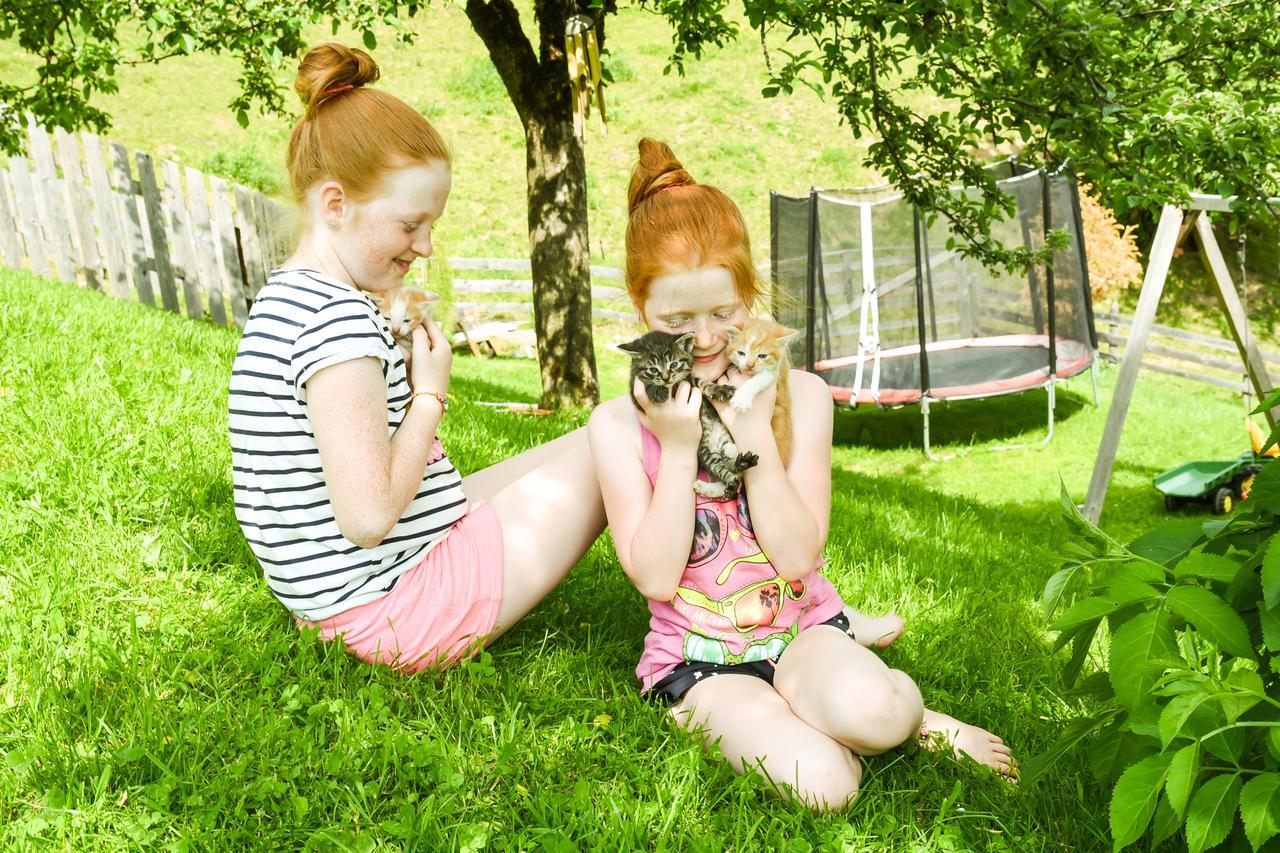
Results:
336 89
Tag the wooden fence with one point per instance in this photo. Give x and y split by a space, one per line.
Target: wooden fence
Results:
84 210
81 209
1176 352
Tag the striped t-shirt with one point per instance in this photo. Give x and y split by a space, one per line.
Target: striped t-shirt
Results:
303 321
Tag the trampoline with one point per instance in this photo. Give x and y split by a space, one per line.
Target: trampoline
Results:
891 317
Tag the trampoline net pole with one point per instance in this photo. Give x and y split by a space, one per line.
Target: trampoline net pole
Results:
810 297
917 227
774 300
1074 195
1046 180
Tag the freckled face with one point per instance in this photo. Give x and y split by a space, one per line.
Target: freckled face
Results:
384 235
704 301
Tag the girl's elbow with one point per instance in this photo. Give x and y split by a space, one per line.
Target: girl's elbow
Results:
362 532
657 592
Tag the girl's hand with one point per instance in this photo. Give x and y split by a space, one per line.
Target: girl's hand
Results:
432 359
675 423
753 426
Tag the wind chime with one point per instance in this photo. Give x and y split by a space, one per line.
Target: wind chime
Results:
583 53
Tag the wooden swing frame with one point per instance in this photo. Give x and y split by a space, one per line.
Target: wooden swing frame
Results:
1175 224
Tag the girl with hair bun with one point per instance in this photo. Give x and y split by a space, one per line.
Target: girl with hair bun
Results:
748 644
362 525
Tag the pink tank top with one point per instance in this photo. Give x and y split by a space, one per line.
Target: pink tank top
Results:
731 606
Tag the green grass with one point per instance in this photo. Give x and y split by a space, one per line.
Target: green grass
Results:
155 695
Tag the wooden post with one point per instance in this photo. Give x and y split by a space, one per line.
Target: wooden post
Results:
224 233
250 245
205 240
131 223
155 225
81 217
1211 255
10 246
52 210
184 250
24 199
106 214
1152 286
268 216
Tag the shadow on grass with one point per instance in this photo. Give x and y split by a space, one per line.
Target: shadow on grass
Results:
1022 416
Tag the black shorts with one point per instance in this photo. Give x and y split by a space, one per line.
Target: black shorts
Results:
681 680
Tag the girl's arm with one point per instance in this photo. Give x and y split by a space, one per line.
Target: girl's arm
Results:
794 502
652 526
371 478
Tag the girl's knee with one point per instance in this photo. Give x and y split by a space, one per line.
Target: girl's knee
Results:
829 783
890 711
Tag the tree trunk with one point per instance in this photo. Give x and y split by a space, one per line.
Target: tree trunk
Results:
561 257
556 170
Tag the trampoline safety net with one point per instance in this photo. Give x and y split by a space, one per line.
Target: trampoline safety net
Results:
889 315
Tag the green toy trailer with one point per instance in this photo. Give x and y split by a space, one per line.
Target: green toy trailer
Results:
1221 484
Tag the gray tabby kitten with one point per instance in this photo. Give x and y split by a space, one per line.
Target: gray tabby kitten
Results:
661 360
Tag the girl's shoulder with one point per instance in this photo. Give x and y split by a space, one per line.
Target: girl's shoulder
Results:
614 427
808 389
617 416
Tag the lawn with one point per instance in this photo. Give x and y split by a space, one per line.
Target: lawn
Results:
155 695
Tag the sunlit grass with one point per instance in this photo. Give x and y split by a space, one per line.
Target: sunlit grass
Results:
154 693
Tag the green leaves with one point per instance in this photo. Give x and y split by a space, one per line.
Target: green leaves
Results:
1195 713
1271 573
1143 638
1134 798
1169 542
1212 811
1260 808
1208 566
1212 617
1183 770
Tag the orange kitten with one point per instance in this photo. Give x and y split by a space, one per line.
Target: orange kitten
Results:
760 351
406 308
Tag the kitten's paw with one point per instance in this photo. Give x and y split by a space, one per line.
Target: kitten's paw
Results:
709 489
720 392
741 402
746 460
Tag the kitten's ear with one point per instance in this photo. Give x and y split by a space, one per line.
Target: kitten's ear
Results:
631 347
685 342
731 334
788 335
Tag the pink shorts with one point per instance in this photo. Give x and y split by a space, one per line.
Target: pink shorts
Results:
440 610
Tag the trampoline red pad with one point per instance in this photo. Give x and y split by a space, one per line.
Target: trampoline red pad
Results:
965 369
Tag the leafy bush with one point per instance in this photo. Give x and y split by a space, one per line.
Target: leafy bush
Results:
1112 249
243 165
1187 719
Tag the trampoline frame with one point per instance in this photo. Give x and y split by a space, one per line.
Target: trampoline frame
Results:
869 353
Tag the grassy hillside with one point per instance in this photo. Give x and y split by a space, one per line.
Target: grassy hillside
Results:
714 117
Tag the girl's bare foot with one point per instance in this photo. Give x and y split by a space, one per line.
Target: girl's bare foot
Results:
940 731
874 632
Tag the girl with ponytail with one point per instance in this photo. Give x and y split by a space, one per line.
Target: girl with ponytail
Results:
361 523
748 644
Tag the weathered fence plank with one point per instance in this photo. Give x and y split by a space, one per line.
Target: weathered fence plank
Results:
131 223
250 246
230 266
10 245
205 241
81 212
24 198
52 209
155 224
184 250
106 215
